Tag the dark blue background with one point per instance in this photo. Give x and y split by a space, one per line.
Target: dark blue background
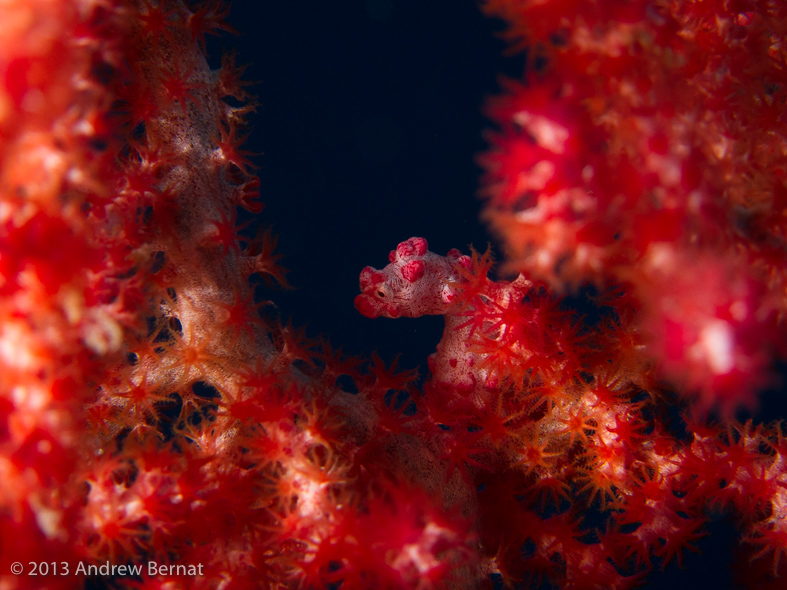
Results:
370 121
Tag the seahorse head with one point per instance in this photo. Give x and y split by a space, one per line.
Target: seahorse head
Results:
415 283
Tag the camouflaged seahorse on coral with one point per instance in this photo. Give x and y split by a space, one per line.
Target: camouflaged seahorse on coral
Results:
418 282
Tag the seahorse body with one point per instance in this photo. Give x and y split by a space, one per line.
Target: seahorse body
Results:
418 282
